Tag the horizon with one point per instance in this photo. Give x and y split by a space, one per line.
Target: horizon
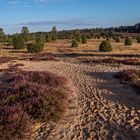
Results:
40 15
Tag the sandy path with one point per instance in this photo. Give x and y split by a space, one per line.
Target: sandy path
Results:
106 109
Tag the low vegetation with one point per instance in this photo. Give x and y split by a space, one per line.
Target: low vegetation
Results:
35 47
84 39
1 46
128 41
10 41
77 36
131 77
74 44
105 46
117 39
18 42
38 46
138 39
28 97
110 60
54 33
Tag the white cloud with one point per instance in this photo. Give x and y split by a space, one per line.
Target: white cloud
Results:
29 2
12 2
51 1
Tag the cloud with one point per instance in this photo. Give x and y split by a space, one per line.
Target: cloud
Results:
30 2
52 1
13 2
67 22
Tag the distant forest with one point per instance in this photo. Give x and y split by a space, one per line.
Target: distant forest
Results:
122 31
96 32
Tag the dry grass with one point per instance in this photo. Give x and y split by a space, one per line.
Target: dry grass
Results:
64 46
92 46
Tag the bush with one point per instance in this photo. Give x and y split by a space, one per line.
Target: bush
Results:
138 39
38 45
1 46
84 39
48 37
54 33
18 42
74 44
25 34
35 48
77 36
88 36
14 123
128 41
40 38
10 41
98 36
114 61
130 77
117 39
105 46
108 38
29 97
31 48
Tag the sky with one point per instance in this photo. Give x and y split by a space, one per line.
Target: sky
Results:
41 15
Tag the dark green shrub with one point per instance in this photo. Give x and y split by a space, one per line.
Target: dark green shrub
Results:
128 41
104 36
138 39
0 46
114 37
98 37
105 46
121 36
1 35
74 44
38 46
35 48
108 39
48 37
84 39
88 36
117 39
54 33
31 48
18 42
10 41
40 38
77 36
25 34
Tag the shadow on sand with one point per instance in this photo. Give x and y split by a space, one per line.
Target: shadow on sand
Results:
120 93
74 55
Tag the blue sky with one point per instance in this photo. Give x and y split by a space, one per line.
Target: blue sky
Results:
41 15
